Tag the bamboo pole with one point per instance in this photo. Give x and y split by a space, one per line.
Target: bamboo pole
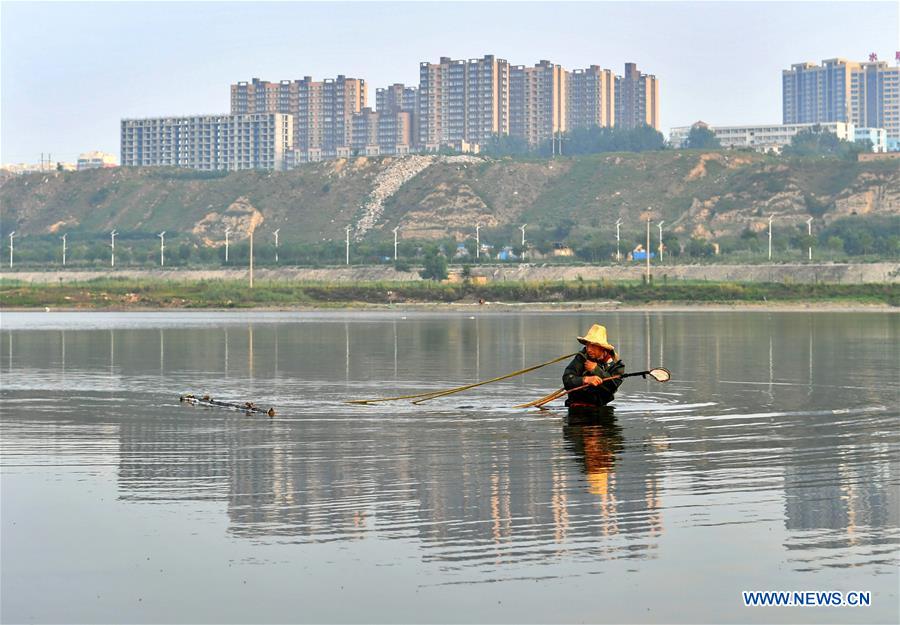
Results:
420 397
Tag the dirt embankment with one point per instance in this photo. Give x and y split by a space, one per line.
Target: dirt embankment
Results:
706 194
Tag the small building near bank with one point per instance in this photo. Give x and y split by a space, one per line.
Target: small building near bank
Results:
95 160
639 253
876 136
760 137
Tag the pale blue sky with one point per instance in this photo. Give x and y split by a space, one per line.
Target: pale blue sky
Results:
70 71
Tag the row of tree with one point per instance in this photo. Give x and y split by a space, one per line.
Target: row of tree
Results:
852 236
579 141
815 141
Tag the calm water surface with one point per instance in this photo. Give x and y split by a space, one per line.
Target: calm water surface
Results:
770 462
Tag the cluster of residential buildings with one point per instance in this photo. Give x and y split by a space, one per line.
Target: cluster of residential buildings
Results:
857 101
462 104
458 104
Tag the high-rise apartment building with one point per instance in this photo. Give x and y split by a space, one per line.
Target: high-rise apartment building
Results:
592 98
395 132
486 99
864 94
209 142
462 101
433 103
399 98
636 99
875 99
382 132
813 94
323 110
537 101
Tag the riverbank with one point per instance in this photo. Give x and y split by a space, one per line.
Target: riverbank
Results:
790 273
129 294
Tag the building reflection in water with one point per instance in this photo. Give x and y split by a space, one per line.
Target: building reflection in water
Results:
502 502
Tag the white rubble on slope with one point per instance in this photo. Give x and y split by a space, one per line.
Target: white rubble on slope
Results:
389 181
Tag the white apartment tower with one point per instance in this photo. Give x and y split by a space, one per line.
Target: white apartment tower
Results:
209 142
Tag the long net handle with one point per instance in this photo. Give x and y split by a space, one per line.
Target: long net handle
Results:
460 389
563 392
572 390
546 399
432 394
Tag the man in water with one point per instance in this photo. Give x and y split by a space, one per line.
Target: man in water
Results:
593 366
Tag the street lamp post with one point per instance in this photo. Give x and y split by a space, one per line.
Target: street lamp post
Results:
618 255
277 230
63 237
347 245
227 232
660 225
112 247
647 252
771 217
477 241
162 248
809 235
11 235
395 230
251 257
522 228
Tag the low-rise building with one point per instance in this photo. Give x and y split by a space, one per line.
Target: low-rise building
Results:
95 160
760 137
876 136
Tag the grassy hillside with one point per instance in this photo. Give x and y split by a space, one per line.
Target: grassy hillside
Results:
705 194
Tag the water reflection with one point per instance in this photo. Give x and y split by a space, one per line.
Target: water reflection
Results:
733 443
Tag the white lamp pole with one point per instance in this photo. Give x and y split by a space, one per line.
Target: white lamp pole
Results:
11 235
251 256
477 241
227 232
660 225
112 247
276 244
809 234
63 237
522 228
618 255
395 230
771 217
162 248
347 245
648 251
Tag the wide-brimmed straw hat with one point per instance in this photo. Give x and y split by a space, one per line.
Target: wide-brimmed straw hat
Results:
596 336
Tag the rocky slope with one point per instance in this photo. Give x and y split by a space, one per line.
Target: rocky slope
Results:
708 194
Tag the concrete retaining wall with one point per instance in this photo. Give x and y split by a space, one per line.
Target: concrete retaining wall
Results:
800 273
